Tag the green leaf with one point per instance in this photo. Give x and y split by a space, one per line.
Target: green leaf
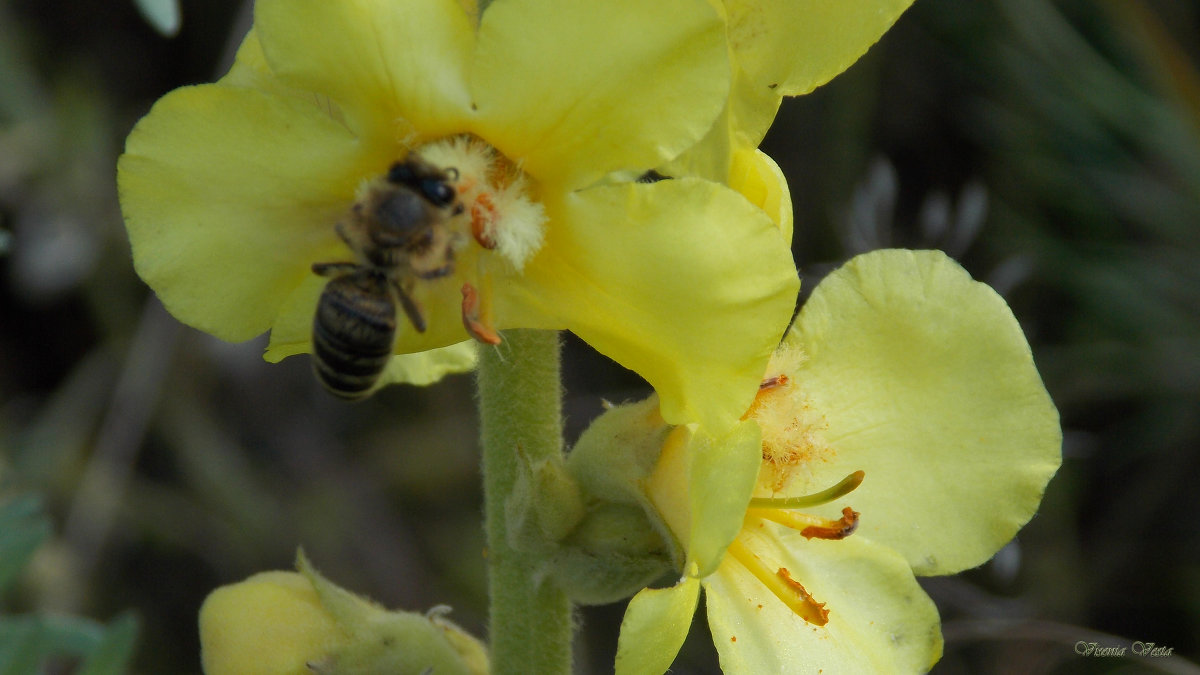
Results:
27 641
163 15
19 646
115 650
22 529
64 635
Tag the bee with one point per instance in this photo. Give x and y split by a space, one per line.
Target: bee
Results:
399 235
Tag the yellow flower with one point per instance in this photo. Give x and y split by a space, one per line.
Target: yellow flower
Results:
537 116
901 429
289 623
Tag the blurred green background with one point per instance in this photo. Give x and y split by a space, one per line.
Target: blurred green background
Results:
1052 147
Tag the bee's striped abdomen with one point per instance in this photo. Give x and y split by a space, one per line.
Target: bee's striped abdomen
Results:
353 333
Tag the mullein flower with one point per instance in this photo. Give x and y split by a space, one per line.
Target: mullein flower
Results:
901 429
540 114
299 623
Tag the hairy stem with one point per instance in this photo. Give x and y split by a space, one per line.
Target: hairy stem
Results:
520 407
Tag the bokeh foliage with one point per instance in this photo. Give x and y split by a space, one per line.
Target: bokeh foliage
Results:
1053 147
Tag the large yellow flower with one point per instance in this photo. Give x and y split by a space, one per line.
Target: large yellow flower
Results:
901 430
541 113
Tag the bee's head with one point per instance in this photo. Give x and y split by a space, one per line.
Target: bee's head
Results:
425 179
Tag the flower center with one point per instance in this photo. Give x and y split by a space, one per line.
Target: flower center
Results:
466 192
793 438
496 194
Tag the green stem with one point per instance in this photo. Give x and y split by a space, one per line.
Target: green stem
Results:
520 406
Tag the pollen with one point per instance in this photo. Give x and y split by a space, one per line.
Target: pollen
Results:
792 431
504 216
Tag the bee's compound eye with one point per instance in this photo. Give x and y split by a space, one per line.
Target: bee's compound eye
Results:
401 173
438 192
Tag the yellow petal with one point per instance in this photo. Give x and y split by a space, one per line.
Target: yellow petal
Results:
431 365
229 194
395 68
701 485
927 384
270 624
740 127
723 474
682 281
752 107
880 621
794 46
419 368
575 90
250 68
758 178
655 625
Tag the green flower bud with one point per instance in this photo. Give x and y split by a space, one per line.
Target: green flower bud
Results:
619 450
287 623
614 553
546 504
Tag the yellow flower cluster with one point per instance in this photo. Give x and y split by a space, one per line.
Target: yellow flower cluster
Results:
390 184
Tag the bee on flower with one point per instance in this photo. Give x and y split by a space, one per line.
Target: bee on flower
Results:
243 199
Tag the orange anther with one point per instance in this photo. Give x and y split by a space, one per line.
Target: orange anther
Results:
810 610
483 214
476 326
772 382
834 529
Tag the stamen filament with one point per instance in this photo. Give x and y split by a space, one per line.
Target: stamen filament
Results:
780 583
843 488
812 526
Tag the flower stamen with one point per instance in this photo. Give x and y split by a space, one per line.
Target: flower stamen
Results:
772 382
782 585
812 527
476 324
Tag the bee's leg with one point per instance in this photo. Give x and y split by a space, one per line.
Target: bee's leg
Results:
333 269
411 308
447 266
341 230
437 272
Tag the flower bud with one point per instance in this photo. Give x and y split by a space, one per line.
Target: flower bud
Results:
614 553
288 623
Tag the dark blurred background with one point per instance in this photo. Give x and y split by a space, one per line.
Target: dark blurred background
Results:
1052 147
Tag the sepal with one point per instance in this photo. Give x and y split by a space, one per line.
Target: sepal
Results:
587 516
614 553
545 505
